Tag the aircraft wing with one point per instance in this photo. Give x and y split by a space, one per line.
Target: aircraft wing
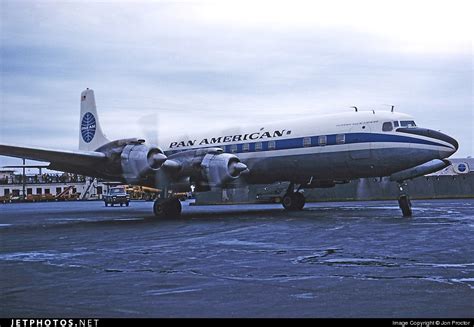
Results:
55 157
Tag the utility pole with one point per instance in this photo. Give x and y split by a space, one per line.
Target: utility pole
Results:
23 178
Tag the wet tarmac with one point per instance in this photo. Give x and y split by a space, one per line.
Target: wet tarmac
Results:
353 259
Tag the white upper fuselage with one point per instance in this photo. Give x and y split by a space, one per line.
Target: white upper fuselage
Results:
363 121
347 145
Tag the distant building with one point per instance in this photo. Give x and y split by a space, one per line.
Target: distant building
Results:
48 186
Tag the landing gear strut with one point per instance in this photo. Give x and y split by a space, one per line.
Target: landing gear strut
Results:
167 208
404 201
293 200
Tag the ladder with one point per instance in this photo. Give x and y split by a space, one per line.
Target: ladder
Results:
90 182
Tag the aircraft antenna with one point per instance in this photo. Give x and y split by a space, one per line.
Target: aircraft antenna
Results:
355 108
390 105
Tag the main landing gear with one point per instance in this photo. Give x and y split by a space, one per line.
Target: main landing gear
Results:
293 200
167 208
404 200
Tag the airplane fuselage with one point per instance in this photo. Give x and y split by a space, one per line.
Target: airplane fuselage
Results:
330 147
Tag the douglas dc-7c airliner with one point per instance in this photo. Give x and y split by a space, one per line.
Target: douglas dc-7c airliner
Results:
321 151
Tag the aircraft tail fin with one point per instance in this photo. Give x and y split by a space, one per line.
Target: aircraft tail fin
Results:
91 136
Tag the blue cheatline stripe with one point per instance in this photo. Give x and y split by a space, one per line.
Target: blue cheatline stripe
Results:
297 142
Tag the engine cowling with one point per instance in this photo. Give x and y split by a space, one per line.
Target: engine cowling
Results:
139 161
221 168
423 169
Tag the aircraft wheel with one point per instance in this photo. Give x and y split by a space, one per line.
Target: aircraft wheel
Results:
300 201
176 207
169 208
289 201
405 205
106 204
159 208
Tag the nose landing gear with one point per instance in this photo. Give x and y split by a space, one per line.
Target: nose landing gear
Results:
404 201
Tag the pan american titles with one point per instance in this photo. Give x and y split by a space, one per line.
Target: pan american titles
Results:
231 138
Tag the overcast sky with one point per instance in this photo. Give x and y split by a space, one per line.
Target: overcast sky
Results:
202 64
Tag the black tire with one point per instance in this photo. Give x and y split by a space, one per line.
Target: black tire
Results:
106 204
300 201
289 201
170 208
176 207
159 208
126 204
405 204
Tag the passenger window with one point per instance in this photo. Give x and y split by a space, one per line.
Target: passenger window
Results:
395 123
322 140
258 146
340 138
246 147
233 148
307 141
387 127
271 145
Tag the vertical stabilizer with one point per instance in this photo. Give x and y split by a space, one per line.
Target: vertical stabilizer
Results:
91 136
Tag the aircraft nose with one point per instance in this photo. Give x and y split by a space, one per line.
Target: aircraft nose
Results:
446 138
455 144
435 135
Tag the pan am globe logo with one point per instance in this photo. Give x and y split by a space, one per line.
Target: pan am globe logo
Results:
88 126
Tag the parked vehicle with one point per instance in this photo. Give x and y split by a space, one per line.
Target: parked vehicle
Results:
117 195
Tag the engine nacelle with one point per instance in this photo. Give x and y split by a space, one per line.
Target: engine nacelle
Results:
221 168
424 169
139 161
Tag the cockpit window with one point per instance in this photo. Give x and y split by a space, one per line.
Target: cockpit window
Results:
395 123
407 123
387 126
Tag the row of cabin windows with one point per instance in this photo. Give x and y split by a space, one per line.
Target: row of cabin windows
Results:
307 142
258 147
323 140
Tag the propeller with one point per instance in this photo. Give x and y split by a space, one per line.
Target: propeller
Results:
149 126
